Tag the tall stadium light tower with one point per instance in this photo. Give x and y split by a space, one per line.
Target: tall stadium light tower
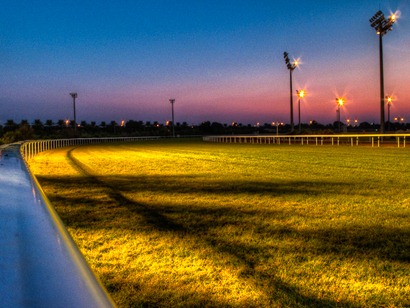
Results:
291 67
74 96
382 26
340 102
172 101
389 102
300 94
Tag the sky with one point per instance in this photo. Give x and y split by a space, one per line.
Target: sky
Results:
222 61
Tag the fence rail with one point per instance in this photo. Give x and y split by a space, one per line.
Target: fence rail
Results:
40 265
31 148
374 140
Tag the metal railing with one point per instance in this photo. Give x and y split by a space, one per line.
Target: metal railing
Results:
31 148
352 140
40 266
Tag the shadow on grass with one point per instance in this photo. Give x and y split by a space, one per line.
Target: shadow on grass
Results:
383 243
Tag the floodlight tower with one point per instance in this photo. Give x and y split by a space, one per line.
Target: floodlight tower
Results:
172 101
74 96
300 94
382 26
340 102
291 67
389 102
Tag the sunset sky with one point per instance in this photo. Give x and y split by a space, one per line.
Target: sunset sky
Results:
221 60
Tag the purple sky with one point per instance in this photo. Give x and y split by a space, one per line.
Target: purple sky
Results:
221 60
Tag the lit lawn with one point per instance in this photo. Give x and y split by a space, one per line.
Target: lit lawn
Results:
187 223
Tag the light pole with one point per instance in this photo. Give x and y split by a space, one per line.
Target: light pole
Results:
339 101
389 101
291 67
277 124
172 101
74 96
382 26
301 94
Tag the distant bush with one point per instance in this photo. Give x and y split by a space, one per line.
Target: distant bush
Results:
9 137
24 132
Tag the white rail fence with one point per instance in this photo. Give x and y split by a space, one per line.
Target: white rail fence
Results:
40 265
373 140
29 149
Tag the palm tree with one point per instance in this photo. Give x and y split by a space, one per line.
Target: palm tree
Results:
10 126
61 123
38 126
113 125
24 122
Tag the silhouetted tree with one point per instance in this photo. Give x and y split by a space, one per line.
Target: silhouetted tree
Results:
61 123
365 125
49 125
113 127
24 122
205 127
217 128
25 132
133 127
10 126
38 126
103 125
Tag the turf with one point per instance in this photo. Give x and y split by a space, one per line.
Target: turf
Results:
188 223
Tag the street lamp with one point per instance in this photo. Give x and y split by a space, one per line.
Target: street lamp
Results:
277 124
291 67
301 94
340 102
74 96
389 101
382 26
172 101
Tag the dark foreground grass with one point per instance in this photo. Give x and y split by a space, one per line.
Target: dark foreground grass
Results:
199 224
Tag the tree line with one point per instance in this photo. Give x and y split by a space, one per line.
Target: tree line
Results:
11 131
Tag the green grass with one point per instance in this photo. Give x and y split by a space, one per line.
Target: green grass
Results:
187 223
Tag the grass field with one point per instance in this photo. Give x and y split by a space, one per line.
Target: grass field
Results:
187 223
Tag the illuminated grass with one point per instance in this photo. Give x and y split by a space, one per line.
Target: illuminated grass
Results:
178 223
